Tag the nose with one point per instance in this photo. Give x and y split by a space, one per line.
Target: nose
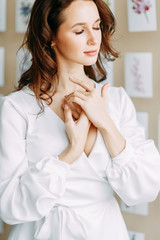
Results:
92 38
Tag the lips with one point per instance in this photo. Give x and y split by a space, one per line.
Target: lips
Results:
91 53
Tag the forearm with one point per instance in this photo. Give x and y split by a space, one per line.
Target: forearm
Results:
114 141
71 153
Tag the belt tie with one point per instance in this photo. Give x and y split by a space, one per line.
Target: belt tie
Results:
62 223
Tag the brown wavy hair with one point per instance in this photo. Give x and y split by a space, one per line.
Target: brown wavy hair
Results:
46 17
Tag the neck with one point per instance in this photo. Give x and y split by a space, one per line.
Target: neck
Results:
63 74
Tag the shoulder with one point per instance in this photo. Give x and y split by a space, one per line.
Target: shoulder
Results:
23 102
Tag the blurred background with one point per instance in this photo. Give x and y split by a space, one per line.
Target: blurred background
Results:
137 38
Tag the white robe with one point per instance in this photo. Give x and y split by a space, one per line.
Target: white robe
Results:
45 198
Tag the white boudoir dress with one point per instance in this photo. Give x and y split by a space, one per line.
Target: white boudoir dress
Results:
46 199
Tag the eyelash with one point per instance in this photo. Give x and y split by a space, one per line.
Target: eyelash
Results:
97 28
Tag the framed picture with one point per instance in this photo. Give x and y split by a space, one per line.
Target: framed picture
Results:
138 74
142 15
3 15
23 9
2 51
136 235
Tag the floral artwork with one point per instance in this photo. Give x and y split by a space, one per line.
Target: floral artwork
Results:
138 74
2 50
23 9
2 15
142 15
141 7
138 83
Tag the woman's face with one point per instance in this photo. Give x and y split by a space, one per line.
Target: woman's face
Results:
79 36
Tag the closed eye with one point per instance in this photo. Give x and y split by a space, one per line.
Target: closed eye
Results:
97 28
80 32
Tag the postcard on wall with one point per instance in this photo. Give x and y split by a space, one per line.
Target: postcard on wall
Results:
1 226
140 209
2 66
138 74
23 9
142 15
136 235
110 3
3 15
142 118
23 62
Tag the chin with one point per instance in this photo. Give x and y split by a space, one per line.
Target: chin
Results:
90 63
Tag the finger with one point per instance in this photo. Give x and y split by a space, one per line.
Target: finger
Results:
75 109
67 114
78 108
75 115
104 91
88 86
77 100
83 119
80 94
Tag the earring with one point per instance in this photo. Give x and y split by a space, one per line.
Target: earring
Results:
52 44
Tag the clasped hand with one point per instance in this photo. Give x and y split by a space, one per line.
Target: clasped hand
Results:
91 102
81 109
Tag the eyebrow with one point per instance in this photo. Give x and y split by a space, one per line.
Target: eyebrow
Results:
83 23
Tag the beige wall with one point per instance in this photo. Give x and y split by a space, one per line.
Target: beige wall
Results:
124 42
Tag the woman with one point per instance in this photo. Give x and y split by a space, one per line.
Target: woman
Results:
67 143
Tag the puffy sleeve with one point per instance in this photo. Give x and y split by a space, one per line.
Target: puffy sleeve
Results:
135 173
26 193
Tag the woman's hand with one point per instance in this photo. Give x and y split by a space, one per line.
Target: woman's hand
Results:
77 132
94 105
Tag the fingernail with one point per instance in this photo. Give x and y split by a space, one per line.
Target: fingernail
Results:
71 78
66 106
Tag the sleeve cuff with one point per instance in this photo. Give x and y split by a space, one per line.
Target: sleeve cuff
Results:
124 156
53 165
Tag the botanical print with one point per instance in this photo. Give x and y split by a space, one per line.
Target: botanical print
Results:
23 62
142 15
2 15
23 9
138 74
2 66
136 235
138 83
141 7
